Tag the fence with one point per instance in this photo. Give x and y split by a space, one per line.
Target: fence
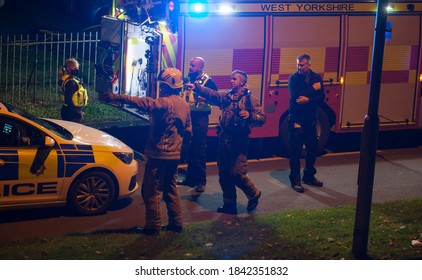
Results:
29 64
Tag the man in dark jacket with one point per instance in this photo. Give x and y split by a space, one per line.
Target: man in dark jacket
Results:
239 112
306 91
170 121
199 110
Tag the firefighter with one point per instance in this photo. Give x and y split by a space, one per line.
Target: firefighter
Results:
306 91
170 118
200 111
240 111
72 94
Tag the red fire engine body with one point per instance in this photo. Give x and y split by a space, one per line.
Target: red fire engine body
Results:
264 39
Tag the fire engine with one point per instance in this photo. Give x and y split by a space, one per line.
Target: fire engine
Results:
263 38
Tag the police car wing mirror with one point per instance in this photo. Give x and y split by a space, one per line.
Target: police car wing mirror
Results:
49 142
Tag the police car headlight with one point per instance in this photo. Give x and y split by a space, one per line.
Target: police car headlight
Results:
124 157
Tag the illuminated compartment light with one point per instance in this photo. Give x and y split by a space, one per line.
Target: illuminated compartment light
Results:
420 78
341 80
390 8
226 9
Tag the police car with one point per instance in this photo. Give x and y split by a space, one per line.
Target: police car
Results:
47 162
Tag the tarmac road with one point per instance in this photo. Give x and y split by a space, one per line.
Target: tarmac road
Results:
398 176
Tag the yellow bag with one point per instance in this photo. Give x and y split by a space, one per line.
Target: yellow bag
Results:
80 97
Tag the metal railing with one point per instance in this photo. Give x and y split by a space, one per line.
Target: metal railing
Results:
29 64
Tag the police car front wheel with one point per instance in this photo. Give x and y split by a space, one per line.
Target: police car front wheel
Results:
92 193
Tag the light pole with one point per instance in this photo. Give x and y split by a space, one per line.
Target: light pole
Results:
369 139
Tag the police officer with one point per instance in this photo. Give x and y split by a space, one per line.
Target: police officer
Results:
72 94
200 111
239 112
306 91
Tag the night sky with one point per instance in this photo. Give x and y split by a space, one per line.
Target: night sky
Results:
22 16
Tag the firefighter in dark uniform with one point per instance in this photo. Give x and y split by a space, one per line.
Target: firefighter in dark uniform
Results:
306 91
240 111
72 94
200 111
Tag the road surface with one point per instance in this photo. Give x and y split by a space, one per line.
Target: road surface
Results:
398 176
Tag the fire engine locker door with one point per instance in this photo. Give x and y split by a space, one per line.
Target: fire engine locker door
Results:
399 77
318 36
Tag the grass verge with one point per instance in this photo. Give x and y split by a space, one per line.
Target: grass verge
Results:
94 112
314 234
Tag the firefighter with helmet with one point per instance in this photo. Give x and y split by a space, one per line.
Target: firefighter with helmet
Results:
170 121
72 94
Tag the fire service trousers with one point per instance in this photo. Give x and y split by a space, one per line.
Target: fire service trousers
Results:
197 156
233 167
160 177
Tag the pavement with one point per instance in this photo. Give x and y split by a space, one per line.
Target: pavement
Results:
398 176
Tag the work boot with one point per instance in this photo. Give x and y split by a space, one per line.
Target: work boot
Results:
200 188
174 228
295 184
312 181
297 187
227 209
253 203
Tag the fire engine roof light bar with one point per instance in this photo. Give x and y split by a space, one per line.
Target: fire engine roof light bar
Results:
199 8
225 9
202 8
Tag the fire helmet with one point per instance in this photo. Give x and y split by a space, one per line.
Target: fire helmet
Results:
171 77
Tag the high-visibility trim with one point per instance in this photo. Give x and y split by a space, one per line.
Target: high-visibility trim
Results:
170 47
79 97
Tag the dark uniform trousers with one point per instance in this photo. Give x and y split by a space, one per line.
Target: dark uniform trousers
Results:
197 156
160 177
307 135
73 115
233 167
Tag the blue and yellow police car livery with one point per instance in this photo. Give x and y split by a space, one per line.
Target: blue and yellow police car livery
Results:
46 162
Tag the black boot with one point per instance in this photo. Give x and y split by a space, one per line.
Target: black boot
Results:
296 185
253 202
311 180
228 209
174 228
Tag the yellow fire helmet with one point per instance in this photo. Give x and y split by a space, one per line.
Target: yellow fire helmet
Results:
171 77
